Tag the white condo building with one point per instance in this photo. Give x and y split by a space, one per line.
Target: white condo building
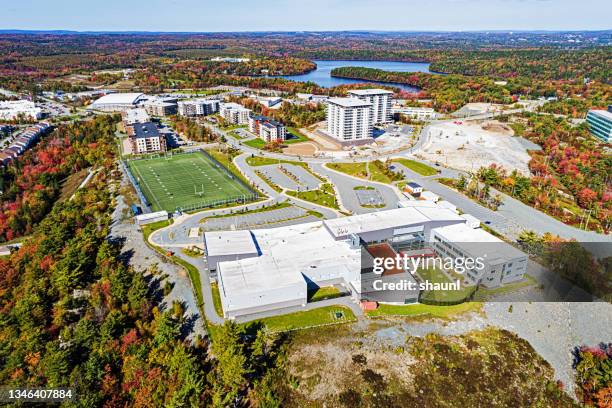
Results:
234 113
198 107
349 119
380 100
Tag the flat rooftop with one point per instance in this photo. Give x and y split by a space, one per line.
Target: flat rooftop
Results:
370 92
478 242
603 113
374 221
146 129
349 102
121 98
219 243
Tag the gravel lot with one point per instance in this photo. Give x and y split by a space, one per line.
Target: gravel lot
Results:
142 257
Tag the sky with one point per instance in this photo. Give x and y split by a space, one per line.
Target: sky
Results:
305 15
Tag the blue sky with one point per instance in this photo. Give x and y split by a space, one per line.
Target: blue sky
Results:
296 15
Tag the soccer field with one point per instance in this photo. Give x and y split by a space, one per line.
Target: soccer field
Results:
186 181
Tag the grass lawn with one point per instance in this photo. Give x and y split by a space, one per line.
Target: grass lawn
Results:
322 293
363 188
185 181
418 167
216 298
309 318
436 276
419 309
256 143
324 196
352 169
299 137
235 135
360 170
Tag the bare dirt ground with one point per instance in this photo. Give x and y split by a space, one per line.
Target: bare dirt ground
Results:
469 146
302 149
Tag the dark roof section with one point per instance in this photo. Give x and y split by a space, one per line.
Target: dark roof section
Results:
147 129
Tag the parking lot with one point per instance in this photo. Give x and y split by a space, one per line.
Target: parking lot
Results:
290 177
369 198
264 219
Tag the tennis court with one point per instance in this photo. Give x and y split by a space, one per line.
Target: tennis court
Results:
187 181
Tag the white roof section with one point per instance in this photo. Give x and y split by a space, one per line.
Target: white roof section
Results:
439 214
471 220
429 196
375 221
447 205
603 113
138 115
471 241
286 254
349 102
220 243
370 92
416 203
153 215
123 98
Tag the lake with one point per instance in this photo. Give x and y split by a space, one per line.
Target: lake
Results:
321 76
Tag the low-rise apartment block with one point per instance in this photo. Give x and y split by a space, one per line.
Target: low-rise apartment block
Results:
234 113
198 107
267 129
146 138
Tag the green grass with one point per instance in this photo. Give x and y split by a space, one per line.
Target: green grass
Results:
352 169
421 310
235 135
360 170
324 196
256 143
172 183
437 276
322 293
363 188
299 136
417 167
216 298
308 318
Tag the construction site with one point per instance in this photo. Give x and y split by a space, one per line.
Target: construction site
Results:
470 145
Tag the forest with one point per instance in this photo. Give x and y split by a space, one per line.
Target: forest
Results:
73 314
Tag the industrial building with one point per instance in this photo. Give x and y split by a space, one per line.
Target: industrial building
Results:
118 102
198 107
234 113
145 138
381 103
22 109
349 119
600 124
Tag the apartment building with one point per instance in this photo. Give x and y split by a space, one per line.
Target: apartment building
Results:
234 113
267 129
414 112
198 107
349 119
380 100
145 138
160 107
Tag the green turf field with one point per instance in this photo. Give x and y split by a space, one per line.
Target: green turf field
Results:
187 181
